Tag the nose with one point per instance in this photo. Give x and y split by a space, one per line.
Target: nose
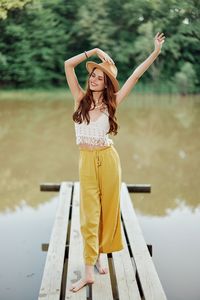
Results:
93 79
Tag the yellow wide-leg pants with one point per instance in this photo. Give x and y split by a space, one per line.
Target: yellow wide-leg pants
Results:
100 185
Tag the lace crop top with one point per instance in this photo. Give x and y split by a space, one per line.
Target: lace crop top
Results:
94 133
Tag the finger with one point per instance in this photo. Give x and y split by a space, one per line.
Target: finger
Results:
162 38
161 35
156 34
112 61
159 39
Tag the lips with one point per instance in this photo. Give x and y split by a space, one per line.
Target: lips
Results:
93 84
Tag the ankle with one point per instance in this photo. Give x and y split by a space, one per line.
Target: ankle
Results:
89 279
89 271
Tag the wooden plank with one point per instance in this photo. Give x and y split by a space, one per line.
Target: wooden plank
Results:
75 268
51 280
102 288
150 283
132 188
49 187
139 188
125 274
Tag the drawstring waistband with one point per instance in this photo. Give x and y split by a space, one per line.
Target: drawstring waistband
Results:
96 152
98 159
95 149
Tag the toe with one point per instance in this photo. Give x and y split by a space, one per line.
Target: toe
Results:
76 287
101 270
105 270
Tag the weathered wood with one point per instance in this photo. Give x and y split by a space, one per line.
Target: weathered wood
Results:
125 274
132 188
45 247
149 280
131 275
139 188
52 276
102 288
75 268
49 187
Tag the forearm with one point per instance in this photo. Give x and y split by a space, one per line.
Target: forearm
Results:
77 59
139 71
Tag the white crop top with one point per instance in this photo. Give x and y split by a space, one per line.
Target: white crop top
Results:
94 133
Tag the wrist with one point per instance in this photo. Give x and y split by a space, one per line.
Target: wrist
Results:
86 55
157 51
89 53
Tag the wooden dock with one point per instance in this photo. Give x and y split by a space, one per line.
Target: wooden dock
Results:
132 274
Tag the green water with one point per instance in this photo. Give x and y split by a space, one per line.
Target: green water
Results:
158 143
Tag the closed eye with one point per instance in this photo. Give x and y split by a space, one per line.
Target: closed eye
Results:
99 77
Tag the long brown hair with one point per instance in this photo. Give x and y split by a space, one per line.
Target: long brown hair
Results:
109 99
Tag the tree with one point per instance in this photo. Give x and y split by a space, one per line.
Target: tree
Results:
186 79
7 5
38 36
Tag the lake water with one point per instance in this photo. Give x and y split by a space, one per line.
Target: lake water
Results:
158 143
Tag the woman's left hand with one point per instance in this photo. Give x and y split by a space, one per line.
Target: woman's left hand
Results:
158 41
104 56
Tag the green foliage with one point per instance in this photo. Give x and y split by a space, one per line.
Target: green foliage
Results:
7 5
186 79
38 36
93 19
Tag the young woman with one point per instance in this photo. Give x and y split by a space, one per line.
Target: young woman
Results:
99 163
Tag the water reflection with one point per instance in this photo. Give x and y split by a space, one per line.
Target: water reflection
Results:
160 150
173 236
158 143
21 257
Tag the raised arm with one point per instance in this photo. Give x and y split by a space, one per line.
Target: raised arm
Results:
70 65
139 71
72 80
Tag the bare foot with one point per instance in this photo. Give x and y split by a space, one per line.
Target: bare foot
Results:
80 284
98 265
89 279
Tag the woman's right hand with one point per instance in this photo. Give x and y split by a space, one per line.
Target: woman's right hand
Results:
104 56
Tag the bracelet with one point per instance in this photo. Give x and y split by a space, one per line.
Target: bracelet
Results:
86 54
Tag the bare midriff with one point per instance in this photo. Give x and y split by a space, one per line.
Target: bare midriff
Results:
91 147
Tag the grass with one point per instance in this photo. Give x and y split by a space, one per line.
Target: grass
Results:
140 95
35 94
